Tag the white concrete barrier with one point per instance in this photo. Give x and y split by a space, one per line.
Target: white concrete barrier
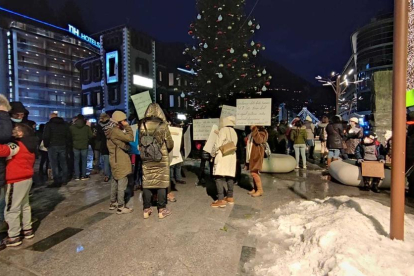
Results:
350 174
279 163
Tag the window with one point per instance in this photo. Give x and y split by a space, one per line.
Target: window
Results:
179 101
160 76
142 66
114 95
171 100
171 79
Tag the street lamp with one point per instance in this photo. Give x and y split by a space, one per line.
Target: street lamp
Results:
335 82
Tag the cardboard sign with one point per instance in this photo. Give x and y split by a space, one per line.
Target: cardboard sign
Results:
373 169
187 143
202 128
208 147
256 112
227 111
141 102
177 135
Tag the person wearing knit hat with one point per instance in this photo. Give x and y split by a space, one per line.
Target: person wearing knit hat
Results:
119 138
310 141
103 129
354 134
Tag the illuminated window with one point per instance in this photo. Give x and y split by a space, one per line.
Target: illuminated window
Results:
171 79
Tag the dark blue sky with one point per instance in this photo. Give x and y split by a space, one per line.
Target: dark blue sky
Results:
307 37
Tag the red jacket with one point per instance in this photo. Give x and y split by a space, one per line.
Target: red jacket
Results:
20 166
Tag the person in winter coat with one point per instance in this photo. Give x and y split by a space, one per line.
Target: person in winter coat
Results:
19 174
321 130
310 141
335 134
225 166
299 136
156 175
368 150
282 138
18 114
44 157
81 134
353 137
96 144
57 139
104 126
5 137
118 146
255 152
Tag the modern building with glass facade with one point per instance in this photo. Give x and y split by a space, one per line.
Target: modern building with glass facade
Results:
372 48
39 66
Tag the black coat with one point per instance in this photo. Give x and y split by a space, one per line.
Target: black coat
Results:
57 133
335 134
5 137
100 135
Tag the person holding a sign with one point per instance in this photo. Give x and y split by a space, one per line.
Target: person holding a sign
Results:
225 162
255 152
368 150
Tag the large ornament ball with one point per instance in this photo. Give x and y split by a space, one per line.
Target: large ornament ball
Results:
259 75
245 55
229 27
263 48
209 81
221 65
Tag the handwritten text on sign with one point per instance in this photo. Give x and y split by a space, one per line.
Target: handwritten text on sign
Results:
202 128
227 111
141 102
254 112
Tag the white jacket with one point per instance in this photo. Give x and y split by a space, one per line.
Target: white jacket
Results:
225 165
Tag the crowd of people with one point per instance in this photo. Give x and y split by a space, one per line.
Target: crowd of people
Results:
135 155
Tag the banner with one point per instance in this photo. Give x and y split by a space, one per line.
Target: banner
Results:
202 128
227 111
254 112
187 143
177 135
141 102
211 139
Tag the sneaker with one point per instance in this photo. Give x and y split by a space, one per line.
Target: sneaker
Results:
85 178
304 167
12 242
28 234
77 178
219 204
163 213
147 213
123 210
4 227
297 168
113 206
106 179
229 200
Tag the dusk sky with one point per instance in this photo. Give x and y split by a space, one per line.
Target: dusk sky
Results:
307 37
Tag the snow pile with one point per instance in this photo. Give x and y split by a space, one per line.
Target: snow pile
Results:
335 236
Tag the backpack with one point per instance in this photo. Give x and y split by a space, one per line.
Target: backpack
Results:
149 147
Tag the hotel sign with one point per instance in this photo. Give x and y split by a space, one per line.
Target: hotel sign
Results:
75 31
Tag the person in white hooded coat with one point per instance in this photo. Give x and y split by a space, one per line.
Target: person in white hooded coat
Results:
225 166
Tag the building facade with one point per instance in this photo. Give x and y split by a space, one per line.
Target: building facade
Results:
39 66
372 48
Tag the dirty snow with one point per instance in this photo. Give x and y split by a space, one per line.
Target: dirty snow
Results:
336 236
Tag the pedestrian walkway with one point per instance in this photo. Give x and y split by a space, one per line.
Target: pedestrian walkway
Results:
77 234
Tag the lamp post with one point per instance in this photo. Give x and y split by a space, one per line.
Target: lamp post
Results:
335 82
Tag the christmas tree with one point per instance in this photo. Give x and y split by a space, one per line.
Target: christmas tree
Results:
221 60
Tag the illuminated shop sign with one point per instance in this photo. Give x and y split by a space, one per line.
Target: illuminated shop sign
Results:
143 81
75 31
112 70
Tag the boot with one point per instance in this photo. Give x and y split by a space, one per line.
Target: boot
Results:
254 189
366 186
375 188
259 191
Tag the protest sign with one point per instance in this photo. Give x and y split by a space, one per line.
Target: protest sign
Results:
187 142
211 139
254 112
177 135
141 102
202 127
227 111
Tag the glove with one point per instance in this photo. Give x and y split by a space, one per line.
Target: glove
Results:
382 161
14 149
360 161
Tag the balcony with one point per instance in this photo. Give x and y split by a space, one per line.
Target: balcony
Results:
29 65
49 86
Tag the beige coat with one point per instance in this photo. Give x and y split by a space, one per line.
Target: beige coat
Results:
156 175
225 165
118 146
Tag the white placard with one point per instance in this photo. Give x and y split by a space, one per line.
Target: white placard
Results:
134 131
177 135
227 111
175 160
141 102
208 147
254 112
202 128
187 143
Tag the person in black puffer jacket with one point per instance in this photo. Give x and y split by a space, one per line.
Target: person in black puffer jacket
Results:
57 139
5 137
335 133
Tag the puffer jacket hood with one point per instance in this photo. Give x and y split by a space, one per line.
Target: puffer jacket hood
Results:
57 120
155 111
229 121
79 123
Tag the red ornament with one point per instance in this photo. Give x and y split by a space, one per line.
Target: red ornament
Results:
229 65
243 75
216 48
219 32
234 60
267 83
190 32
210 62
187 66
258 45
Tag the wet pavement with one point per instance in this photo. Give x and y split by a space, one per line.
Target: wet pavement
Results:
76 234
